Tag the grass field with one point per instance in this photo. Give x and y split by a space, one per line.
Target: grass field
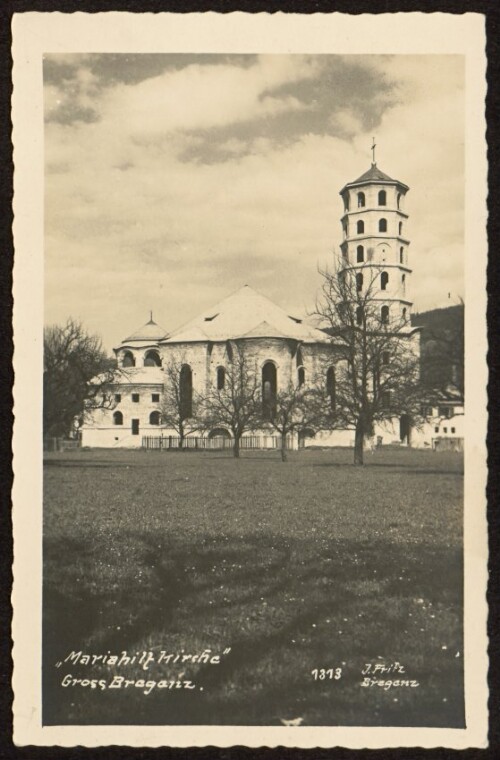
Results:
292 567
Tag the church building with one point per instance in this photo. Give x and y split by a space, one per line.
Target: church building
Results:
285 348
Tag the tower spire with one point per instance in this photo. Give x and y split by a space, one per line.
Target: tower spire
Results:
374 145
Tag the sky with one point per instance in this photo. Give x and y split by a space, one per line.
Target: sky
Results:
173 180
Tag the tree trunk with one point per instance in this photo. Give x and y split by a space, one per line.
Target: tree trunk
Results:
358 442
283 449
236 447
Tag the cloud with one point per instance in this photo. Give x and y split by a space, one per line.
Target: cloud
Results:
163 202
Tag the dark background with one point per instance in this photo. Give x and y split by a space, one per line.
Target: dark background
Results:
7 7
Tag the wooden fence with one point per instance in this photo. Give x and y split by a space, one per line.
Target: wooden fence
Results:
172 442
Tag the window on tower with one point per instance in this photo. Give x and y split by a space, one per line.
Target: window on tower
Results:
384 314
361 200
398 199
400 228
360 227
360 251
359 282
128 359
382 198
404 314
152 359
401 255
301 376
384 279
359 315
382 225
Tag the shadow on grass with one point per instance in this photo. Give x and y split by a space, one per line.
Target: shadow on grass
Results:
396 466
284 607
101 464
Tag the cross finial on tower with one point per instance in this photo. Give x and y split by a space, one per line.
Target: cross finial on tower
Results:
150 316
373 151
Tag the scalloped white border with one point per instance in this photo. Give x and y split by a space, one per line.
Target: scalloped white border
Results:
37 33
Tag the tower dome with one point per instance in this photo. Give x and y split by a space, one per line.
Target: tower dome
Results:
151 331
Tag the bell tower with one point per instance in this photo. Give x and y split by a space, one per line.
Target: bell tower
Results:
375 243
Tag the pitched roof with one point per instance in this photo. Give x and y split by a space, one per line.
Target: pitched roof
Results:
131 376
151 332
374 174
245 314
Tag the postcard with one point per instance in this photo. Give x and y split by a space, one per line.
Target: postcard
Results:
250 395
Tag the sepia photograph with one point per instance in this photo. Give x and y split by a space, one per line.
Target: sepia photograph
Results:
253 411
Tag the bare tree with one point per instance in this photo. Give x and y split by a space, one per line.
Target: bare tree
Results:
377 371
178 404
76 376
293 410
236 404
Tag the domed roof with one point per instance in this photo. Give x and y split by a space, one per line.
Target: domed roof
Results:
374 174
151 331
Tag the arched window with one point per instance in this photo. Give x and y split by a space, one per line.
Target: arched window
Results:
361 200
360 227
154 418
344 229
117 418
359 282
359 315
404 314
384 314
330 385
401 255
186 391
229 350
221 378
382 225
346 202
360 251
128 359
152 359
400 228
384 279
398 199
269 384
382 198
301 376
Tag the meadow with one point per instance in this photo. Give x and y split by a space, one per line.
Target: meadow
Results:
299 576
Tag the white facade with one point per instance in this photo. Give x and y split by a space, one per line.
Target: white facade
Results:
374 248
